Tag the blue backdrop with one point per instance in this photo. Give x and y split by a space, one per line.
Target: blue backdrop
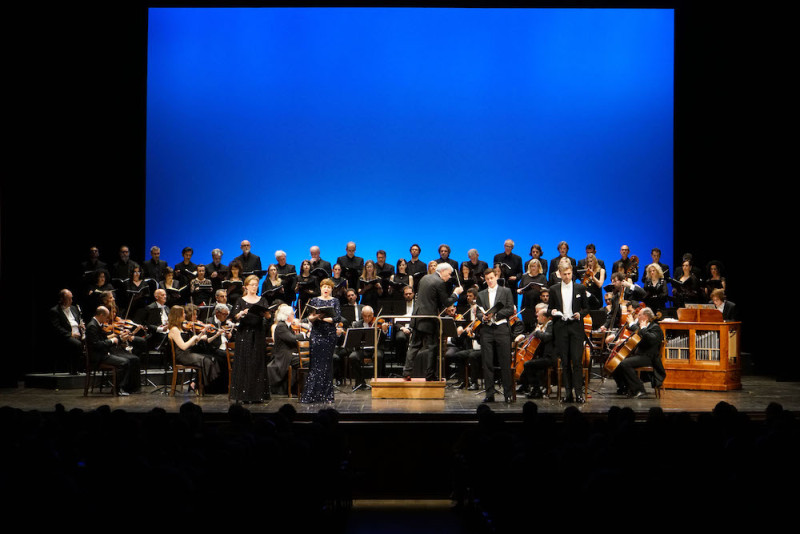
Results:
294 127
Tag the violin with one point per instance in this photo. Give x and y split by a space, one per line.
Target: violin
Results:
632 266
196 327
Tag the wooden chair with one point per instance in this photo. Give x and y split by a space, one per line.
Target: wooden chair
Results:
659 390
182 369
91 374
304 354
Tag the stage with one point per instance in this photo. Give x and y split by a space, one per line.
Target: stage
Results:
457 406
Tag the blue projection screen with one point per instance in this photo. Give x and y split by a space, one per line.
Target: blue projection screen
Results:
294 127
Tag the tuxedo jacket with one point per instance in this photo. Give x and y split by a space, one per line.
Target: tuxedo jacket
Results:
579 301
503 295
61 325
97 342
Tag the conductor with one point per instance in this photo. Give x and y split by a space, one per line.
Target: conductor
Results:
432 298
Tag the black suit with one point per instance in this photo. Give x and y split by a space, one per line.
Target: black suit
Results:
103 350
432 298
62 335
496 340
646 354
543 359
250 264
569 335
154 269
284 354
368 350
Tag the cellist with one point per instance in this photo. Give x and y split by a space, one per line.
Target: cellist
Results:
543 357
646 354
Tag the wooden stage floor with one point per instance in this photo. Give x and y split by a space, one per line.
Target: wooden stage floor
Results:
458 405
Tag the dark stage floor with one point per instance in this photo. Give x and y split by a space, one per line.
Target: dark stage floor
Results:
459 405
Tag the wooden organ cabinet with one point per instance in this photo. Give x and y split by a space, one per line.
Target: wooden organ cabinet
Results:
701 351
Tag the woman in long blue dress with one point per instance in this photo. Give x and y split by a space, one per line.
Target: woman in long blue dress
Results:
319 384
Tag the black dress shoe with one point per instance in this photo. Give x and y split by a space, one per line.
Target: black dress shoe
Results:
567 399
580 399
488 398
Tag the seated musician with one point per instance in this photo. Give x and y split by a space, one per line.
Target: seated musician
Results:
624 291
647 353
131 334
469 349
724 305
351 312
185 337
285 350
402 329
368 350
155 318
67 330
544 356
216 344
103 347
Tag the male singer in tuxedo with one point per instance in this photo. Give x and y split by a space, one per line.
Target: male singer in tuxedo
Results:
568 305
496 334
67 324
432 298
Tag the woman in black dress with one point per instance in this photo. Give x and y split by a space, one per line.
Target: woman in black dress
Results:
686 289
593 279
530 287
319 384
234 289
249 382
339 283
273 288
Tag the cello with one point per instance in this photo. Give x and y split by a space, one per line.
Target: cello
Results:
526 350
624 345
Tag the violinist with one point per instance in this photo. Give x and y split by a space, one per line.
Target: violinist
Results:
467 342
369 285
273 289
307 286
369 350
624 291
593 277
156 318
103 348
284 351
68 330
534 370
201 288
130 333
646 354
178 327
219 335
656 287
402 329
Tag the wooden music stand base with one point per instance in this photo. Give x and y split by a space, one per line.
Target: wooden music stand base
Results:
397 388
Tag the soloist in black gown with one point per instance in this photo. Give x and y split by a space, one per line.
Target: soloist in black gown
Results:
319 384
249 375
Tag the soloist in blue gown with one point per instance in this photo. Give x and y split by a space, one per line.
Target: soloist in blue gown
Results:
319 384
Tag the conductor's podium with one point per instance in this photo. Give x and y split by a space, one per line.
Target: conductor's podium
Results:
701 351
416 388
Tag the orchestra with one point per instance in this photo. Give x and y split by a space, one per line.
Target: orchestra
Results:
377 287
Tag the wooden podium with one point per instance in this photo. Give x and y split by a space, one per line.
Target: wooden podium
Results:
701 351
416 388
